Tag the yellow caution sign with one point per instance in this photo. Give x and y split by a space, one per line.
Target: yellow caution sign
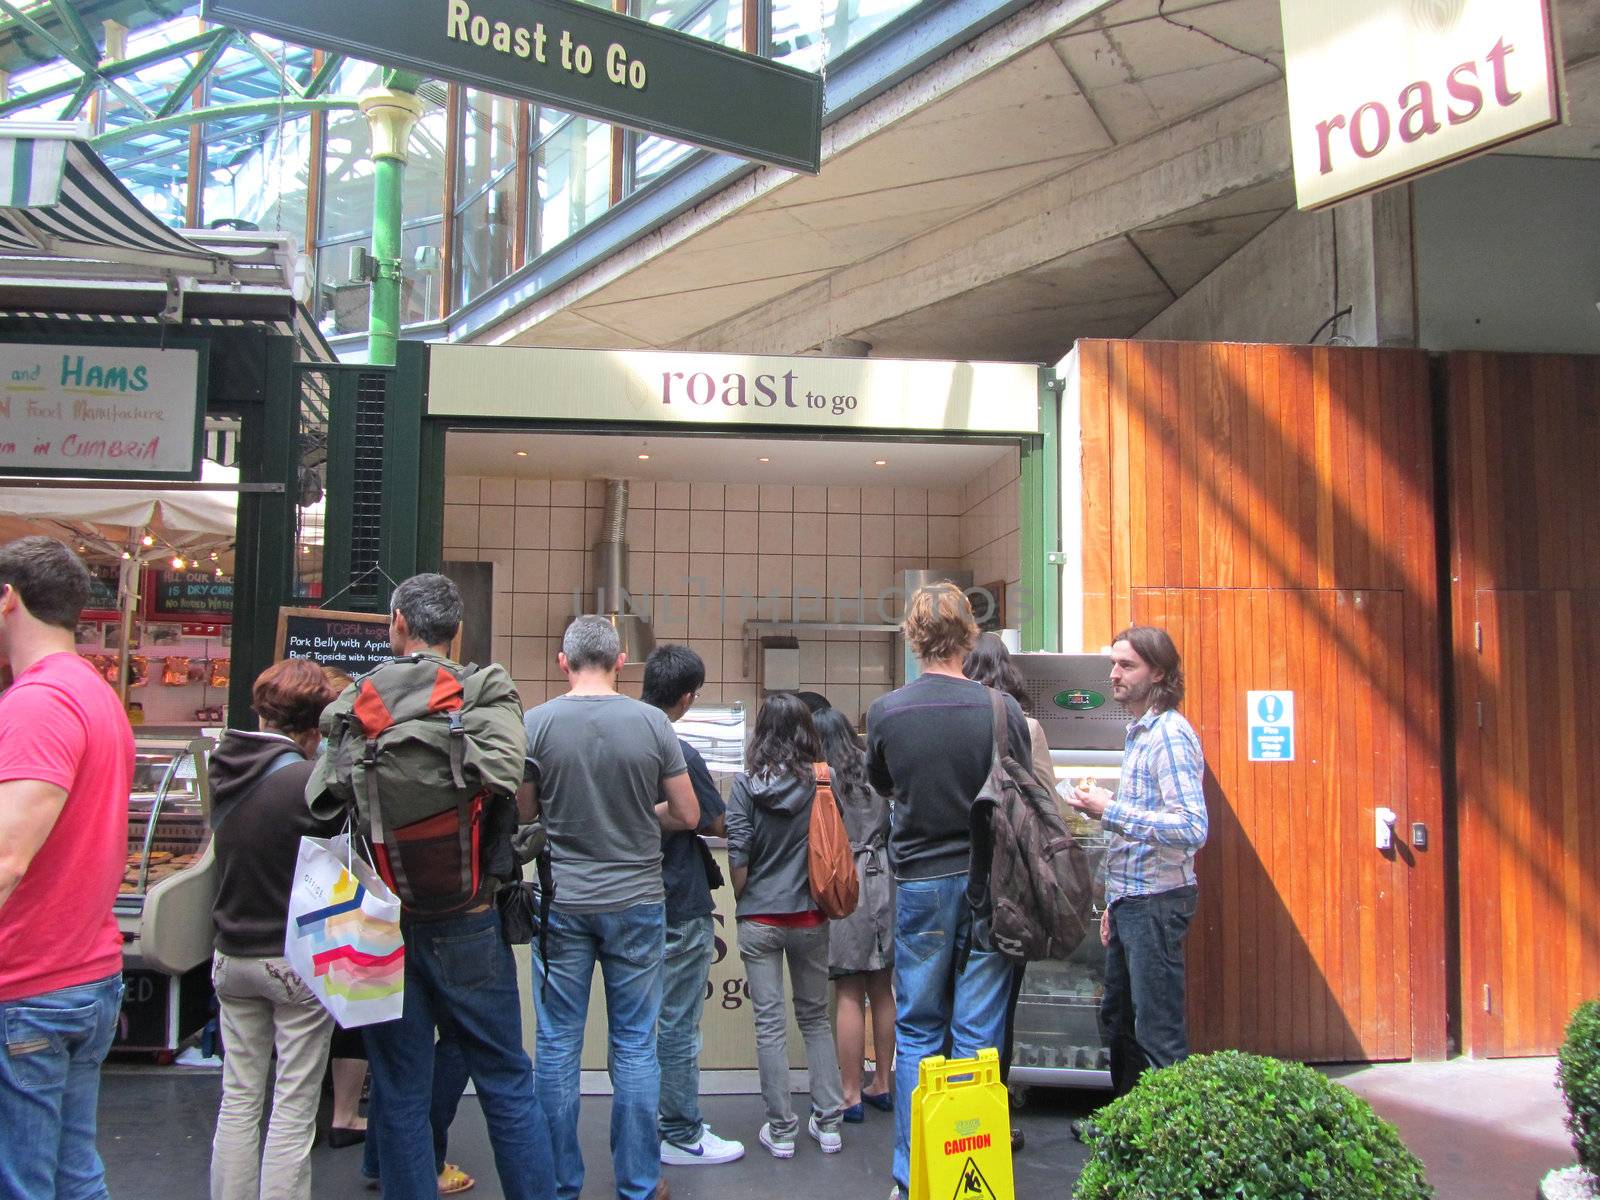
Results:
960 1130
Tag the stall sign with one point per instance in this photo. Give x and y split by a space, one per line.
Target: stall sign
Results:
105 580
577 57
190 596
532 382
100 410
1382 90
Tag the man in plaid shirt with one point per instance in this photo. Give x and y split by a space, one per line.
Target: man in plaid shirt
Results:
1157 822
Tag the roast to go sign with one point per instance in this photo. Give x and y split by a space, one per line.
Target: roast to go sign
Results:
100 410
577 57
1381 90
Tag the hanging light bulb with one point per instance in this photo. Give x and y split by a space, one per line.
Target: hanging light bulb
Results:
127 554
214 556
218 572
148 539
178 563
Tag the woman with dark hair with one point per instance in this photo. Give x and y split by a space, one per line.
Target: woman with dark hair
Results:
769 815
258 783
861 946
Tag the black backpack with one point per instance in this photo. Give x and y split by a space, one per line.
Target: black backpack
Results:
1028 872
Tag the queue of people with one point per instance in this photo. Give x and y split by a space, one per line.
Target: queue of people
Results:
623 804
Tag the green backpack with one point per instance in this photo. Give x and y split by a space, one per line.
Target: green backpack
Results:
420 747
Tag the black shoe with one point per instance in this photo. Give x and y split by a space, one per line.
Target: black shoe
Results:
1083 1129
338 1138
1017 1140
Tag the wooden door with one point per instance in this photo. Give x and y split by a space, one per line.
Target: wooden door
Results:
1524 439
1273 508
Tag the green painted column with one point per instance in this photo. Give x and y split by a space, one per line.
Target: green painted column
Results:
392 113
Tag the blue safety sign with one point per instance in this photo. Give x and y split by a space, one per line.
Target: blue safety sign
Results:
1269 719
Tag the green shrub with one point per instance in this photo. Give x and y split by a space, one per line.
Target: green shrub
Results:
1246 1128
1580 1081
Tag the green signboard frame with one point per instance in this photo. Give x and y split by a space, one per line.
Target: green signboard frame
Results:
572 56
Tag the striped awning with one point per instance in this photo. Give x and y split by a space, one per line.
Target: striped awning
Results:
58 198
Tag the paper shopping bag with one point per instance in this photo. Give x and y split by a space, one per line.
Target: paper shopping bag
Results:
343 935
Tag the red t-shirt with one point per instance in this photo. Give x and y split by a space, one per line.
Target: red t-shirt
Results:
60 723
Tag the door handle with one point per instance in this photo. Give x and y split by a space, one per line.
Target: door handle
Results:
1383 827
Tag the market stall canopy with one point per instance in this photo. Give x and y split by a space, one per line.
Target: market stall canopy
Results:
181 519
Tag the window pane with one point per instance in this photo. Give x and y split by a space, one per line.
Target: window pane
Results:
573 169
801 41
256 172
488 141
421 283
719 21
347 188
483 240
486 189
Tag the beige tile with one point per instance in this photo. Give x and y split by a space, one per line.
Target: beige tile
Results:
671 494
497 525
531 571
500 617
844 662
630 686
877 535
775 575
672 529
558 614
944 502
877 500
875 661
705 619
741 497
461 489
732 664
591 526
813 661
528 692
911 501
532 528
844 500
911 537
810 498
567 493
740 532
746 692
846 697
672 573
566 529
944 537
706 496
776 533
739 574
497 489
641 529
533 492
705 574
529 611
566 570
775 608
528 657
877 575
810 533
868 694
641 572
844 534
777 497
810 575
706 531
594 492
671 620
461 524
844 577
642 494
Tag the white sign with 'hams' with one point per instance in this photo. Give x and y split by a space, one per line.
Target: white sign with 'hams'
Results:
1382 90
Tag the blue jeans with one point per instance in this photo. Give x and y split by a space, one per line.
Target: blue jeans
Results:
459 972
450 1077
1142 1015
690 946
939 1010
629 946
49 1087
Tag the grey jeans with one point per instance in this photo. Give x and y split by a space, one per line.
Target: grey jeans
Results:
763 949
266 1009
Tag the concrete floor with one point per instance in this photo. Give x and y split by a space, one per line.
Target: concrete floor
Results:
1484 1130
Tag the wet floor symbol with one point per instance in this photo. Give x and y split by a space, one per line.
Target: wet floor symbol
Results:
972 1185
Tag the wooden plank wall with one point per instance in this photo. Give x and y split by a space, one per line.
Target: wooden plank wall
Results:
1273 507
1523 437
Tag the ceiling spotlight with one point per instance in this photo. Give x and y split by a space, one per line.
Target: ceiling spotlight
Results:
148 539
644 458
880 462
178 563
522 454
763 459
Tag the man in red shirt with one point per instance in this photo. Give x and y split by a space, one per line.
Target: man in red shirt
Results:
66 765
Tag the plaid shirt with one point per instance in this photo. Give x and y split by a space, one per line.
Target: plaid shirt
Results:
1158 819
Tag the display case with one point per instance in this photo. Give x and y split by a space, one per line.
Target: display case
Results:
163 907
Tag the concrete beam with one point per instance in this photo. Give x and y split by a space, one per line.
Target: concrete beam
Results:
1237 145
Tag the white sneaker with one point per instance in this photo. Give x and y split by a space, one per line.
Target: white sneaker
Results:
828 1139
706 1150
780 1148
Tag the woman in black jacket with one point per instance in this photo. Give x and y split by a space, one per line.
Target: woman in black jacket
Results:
258 784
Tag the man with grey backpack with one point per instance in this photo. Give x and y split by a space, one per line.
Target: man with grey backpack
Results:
428 755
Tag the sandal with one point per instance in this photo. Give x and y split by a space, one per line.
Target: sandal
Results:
882 1101
453 1180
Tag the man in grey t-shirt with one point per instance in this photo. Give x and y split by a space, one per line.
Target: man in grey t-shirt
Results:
608 775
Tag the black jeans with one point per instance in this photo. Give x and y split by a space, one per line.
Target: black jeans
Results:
1142 1014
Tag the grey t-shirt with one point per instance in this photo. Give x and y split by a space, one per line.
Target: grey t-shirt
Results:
599 763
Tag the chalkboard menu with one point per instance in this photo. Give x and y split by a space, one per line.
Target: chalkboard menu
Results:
189 596
346 641
103 583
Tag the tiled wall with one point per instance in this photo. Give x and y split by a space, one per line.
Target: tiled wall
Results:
709 556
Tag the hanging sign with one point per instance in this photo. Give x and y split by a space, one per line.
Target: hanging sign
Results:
90 410
573 56
1269 717
189 596
523 382
1381 90
350 642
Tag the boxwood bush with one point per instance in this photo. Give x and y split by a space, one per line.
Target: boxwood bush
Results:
1246 1128
1580 1082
